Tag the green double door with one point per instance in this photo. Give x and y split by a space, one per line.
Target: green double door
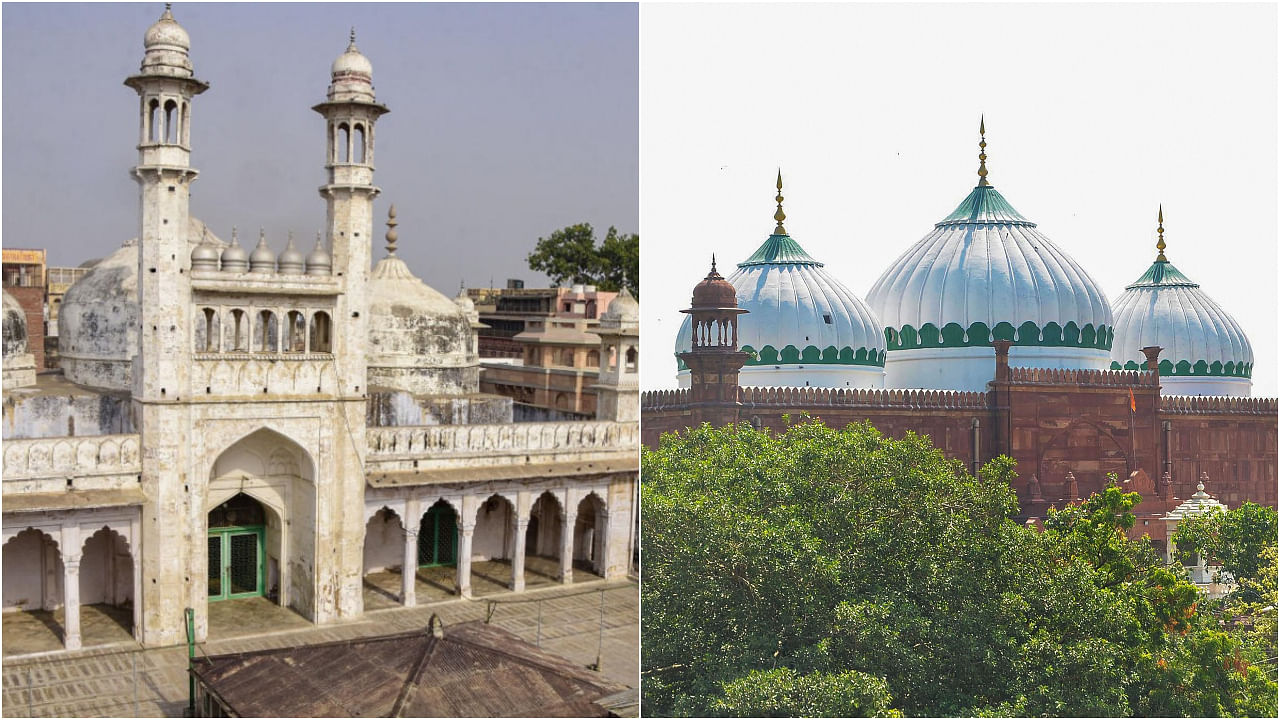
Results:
438 537
237 562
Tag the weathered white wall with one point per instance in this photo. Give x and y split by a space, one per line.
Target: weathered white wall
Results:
493 521
32 572
106 570
383 542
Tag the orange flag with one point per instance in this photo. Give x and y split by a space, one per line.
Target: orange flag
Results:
1133 404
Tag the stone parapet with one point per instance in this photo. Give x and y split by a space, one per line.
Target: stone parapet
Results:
465 445
1057 376
63 463
864 397
1217 405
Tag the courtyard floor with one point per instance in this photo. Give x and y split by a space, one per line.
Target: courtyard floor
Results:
587 622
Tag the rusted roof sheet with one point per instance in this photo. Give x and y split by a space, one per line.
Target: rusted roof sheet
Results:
514 471
472 670
72 500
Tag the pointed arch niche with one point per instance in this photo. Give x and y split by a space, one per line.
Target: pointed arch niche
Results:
269 479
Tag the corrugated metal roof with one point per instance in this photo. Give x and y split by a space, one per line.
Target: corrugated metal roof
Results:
472 670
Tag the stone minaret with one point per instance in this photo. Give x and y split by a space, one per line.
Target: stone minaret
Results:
618 386
350 114
161 371
714 361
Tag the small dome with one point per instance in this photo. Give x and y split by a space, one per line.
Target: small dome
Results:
318 261
262 259
99 316
714 291
234 257
1204 350
204 257
464 301
291 261
166 32
623 308
352 62
15 327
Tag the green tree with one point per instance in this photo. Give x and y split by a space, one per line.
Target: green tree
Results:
1236 538
570 255
826 572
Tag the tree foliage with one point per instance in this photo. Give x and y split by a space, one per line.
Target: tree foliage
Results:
1236 538
824 572
571 255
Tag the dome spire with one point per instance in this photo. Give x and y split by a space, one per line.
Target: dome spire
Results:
982 151
392 235
1160 231
352 45
779 215
713 262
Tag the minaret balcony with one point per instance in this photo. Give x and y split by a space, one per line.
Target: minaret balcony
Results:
265 283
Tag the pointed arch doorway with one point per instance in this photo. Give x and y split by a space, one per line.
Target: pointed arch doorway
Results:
237 549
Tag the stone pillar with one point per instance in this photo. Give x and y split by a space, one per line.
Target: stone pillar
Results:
464 559
71 601
409 569
517 558
1002 358
567 521
599 562
1153 357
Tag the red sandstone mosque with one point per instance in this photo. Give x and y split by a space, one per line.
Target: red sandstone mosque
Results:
991 340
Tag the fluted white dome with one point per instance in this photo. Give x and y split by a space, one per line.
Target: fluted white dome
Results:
1204 350
802 326
986 273
167 47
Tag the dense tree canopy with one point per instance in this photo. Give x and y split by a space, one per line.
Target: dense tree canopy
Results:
827 573
571 255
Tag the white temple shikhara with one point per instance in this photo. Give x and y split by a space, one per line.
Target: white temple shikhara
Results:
232 423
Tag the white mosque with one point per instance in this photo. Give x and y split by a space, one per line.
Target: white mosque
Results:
233 423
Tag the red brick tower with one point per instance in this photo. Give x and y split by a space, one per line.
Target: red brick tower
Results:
715 360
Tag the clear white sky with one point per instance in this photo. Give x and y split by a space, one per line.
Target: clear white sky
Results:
1094 114
507 122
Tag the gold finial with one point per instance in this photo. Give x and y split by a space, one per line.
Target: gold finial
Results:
779 215
982 152
1160 231
392 235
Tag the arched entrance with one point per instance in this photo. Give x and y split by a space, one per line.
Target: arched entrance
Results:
237 549
438 536
106 577
261 530
543 537
589 531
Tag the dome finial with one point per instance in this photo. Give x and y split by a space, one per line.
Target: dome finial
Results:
713 262
352 45
779 215
392 235
168 12
982 151
1160 246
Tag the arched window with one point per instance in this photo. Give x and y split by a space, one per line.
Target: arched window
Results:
333 143
360 147
344 143
566 357
562 401
170 122
185 126
266 332
320 335
240 331
593 358
632 360
297 332
206 330
153 121
613 357
531 357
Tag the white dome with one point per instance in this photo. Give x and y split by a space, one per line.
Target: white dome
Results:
15 327
1204 350
986 273
623 308
167 48
99 315
802 326
419 340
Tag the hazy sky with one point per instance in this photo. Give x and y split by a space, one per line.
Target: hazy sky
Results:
1095 114
507 122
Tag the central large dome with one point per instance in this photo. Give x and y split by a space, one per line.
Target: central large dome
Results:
802 326
986 273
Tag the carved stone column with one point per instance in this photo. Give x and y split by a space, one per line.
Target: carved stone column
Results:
567 521
517 557
464 559
71 601
409 570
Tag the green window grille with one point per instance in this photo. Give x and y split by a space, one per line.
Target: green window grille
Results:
437 537
237 562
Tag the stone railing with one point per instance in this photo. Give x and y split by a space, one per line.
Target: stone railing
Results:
429 446
59 463
241 374
658 399
800 397
1055 376
1217 405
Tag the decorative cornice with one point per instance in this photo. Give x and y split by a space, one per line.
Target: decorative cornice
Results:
978 335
